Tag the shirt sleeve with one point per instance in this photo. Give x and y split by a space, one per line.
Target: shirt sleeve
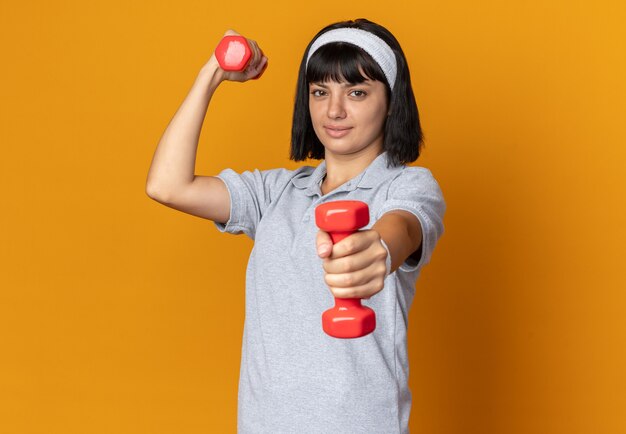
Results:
415 190
250 194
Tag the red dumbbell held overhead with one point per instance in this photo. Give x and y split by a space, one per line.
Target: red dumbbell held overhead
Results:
348 319
233 53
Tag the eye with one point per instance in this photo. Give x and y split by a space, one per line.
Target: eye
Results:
316 90
362 93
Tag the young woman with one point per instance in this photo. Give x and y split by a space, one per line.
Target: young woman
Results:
355 110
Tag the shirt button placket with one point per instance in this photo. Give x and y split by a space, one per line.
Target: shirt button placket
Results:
311 210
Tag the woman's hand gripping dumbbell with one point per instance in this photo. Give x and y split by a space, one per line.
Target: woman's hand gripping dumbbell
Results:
341 218
239 58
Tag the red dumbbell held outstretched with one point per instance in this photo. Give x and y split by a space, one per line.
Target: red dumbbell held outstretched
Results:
239 57
348 319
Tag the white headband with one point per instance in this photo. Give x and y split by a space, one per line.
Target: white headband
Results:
372 44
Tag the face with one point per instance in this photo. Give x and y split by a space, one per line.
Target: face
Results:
349 118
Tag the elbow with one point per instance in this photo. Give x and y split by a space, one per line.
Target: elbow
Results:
153 192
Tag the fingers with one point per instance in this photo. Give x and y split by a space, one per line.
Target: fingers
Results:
355 252
255 71
258 59
373 273
324 244
262 67
351 263
257 53
355 267
353 243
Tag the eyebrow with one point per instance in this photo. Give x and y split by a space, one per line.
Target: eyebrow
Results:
365 83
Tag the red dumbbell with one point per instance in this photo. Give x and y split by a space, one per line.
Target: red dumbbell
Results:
234 54
348 319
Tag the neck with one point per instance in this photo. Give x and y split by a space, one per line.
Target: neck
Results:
341 168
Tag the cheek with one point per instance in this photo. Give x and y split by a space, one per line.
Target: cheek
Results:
314 113
315 121
374 119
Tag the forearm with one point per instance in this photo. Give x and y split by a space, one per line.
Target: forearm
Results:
395 232
173 163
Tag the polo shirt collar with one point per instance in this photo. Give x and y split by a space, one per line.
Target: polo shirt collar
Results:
375 174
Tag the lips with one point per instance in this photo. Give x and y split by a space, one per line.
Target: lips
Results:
337 132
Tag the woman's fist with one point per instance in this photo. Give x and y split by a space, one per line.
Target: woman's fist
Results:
255 68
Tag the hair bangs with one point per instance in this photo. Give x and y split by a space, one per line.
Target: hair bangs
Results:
340 62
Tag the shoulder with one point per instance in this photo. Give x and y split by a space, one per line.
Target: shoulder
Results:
302 172
275 182
270 176
415 177
283 176
283 173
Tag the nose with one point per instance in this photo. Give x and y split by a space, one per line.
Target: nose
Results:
335 107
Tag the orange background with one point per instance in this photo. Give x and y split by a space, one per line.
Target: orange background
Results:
120 315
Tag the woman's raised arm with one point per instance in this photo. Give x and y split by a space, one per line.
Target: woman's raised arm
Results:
171 179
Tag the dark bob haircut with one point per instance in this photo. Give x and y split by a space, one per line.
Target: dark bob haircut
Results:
340 61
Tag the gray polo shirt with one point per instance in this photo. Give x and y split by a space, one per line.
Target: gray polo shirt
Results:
293 377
